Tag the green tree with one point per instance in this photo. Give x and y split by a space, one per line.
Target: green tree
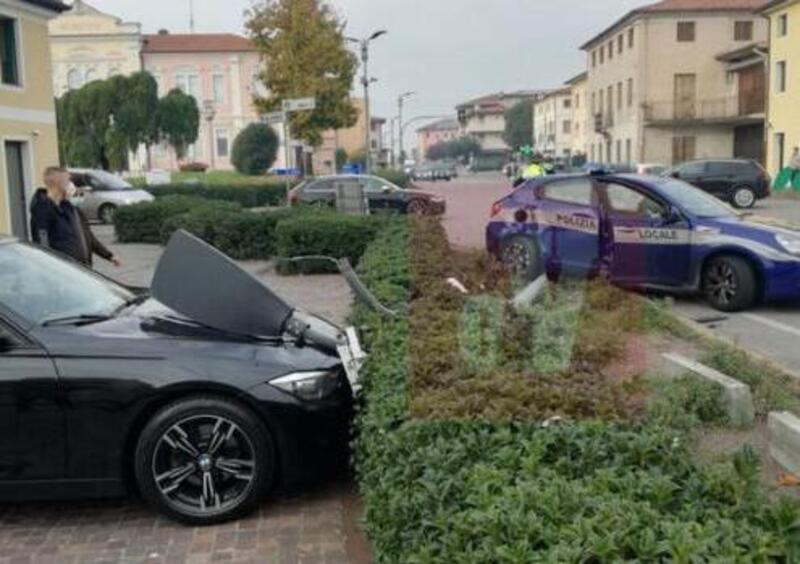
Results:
519 125
304 50
255 149
463 147
135 109
178 119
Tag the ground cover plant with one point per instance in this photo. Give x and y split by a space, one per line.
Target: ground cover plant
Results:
461 480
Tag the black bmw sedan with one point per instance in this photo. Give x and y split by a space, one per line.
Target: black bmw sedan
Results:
199 393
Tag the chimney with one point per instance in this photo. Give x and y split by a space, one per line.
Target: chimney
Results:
163 31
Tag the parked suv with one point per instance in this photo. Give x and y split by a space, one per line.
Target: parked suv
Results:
738 181
101 193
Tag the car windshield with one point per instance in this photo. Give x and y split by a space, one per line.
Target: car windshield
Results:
111 181
41 287
693 200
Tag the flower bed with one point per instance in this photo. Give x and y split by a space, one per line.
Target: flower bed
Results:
455 465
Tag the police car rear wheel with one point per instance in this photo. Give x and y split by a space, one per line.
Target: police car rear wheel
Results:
730 284
744 197
521 258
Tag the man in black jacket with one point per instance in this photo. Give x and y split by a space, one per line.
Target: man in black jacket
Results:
57 224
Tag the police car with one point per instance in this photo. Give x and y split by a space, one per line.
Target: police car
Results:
644 232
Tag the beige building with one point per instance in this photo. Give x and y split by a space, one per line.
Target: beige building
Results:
28 136
440 131
580 114
87 44
658 91
484 118
351 140
553 123
783 133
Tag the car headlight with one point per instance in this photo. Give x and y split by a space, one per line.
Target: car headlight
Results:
789 242
309 386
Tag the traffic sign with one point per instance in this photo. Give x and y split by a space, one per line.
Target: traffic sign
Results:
273 117
299 104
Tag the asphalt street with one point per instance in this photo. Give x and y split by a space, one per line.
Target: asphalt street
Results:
772 331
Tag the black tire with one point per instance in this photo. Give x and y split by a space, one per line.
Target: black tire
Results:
743 197
106 213
730 284
521 257
418 207
159 454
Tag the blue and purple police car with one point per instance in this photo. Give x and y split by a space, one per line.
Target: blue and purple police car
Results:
644 232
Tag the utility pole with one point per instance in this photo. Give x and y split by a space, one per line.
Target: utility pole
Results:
365 81
400 100
191 16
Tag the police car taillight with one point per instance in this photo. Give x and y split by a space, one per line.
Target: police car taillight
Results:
497 207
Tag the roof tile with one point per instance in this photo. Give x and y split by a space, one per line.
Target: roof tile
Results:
196 43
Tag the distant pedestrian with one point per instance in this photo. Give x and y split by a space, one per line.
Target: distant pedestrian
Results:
58 225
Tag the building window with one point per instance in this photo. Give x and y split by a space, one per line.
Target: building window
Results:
74 79
189 83
610 100
91 75
630 92
602 55
743 31
783 25
630 38
619 95
620 42
628 151
780 76
218 84
683 149
9 51
686 31
619 151
594 103
594 59
221 136
566 127
567 103
610 50
602 106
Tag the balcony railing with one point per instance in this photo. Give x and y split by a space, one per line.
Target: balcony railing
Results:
730 109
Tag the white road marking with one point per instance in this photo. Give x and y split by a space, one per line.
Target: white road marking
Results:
772 323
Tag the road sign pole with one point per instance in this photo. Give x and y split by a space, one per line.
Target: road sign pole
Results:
286 152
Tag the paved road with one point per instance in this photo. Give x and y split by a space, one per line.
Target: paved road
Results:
771 330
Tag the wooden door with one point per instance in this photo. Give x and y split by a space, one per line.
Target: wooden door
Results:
752 90
685 95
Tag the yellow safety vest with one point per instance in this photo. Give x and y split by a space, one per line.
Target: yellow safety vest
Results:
532 171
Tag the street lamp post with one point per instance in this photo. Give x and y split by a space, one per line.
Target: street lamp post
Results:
400 99
365 81
210 112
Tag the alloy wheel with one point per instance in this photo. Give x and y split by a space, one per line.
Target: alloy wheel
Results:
517 258
204 465
417 207
744 198
722 283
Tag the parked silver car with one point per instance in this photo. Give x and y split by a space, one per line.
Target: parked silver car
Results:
101 193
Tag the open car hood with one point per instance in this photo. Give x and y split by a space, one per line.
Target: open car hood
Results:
199 282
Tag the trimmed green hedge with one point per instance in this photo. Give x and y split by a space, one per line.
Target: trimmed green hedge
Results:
142 223
269 194
458 491
395 176
309 232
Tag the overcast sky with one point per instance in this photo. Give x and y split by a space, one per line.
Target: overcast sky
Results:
446 50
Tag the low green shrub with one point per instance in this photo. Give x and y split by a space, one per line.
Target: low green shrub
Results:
142 223
587 491
266 194
395 176
684 403
319 232
241 235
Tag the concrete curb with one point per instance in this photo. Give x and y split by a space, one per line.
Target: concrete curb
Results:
784 440
737 400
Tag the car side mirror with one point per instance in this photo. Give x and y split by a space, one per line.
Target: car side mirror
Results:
387 189
672 217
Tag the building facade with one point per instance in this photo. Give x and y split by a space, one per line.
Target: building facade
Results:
87 44
441 131
553 124
351 140
580 115
658 91
484 118
783 131
221 72
28 135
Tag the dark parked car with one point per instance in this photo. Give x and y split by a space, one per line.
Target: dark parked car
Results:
738 181
381 195
200 395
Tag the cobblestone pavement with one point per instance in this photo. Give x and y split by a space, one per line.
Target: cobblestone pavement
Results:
314 524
